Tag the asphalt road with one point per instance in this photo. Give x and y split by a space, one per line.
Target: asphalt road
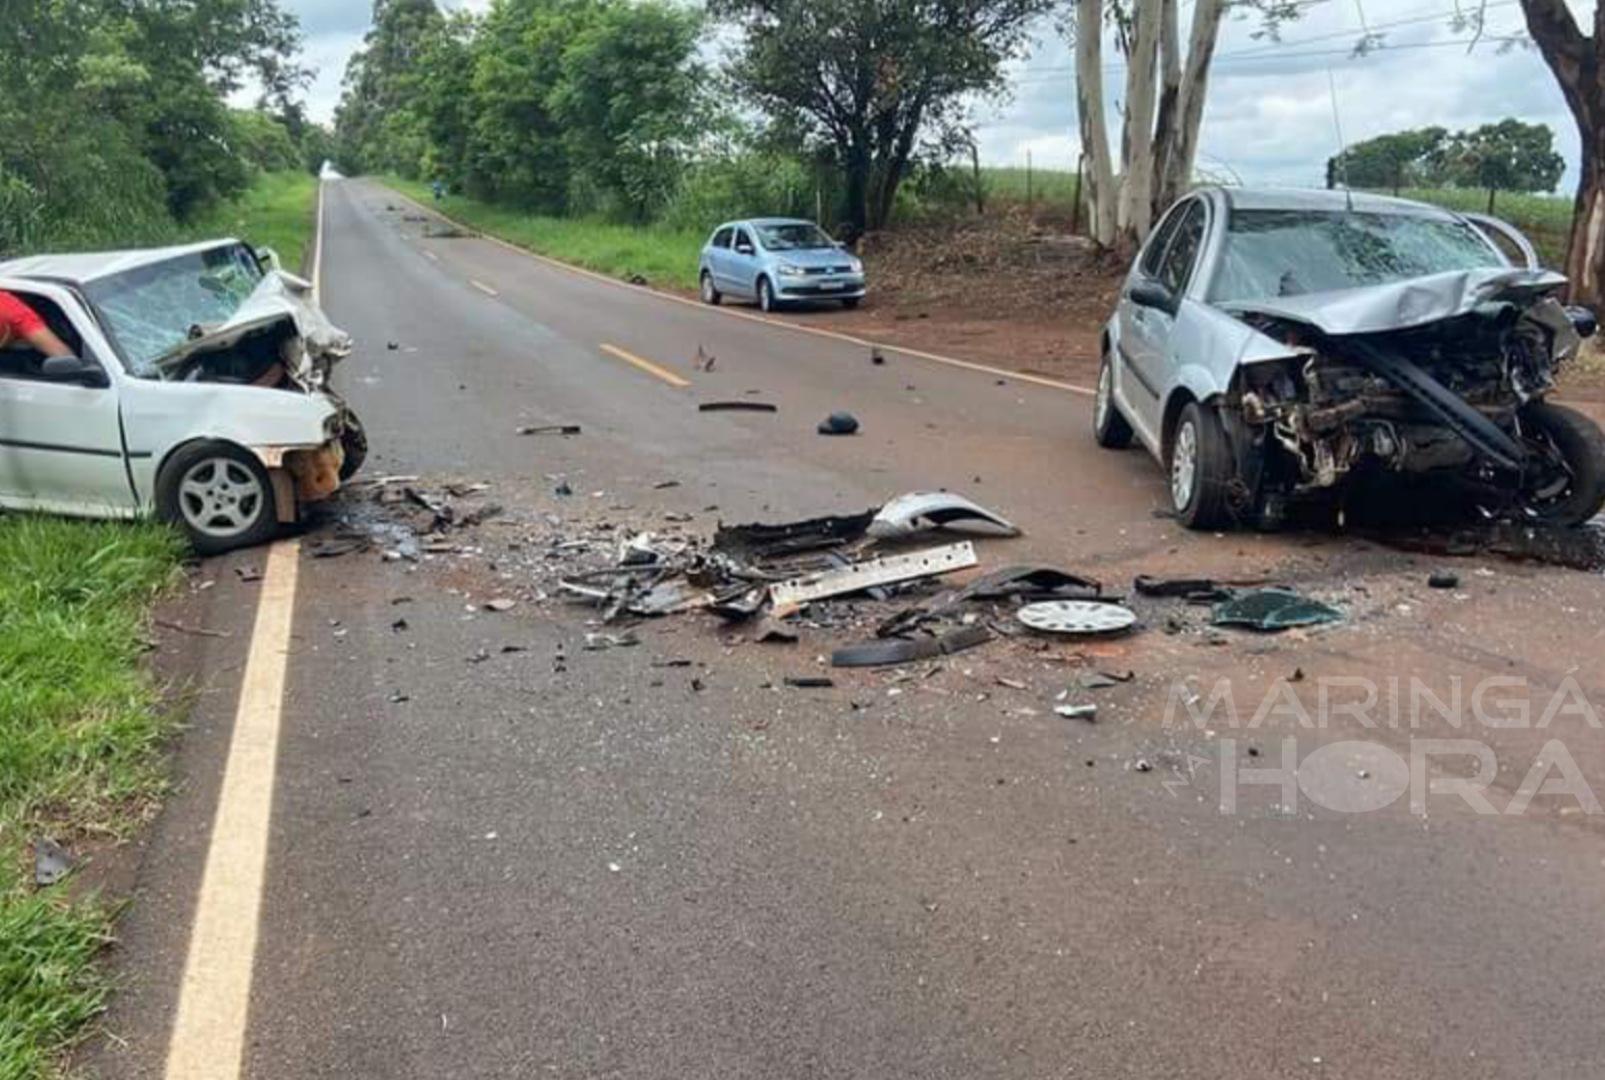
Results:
577 864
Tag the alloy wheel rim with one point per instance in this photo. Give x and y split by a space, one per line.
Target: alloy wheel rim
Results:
1100 406
1184 466
220 497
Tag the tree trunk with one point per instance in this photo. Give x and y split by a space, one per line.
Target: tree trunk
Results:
1137 135
1169 98
1102 192
1178 168
858 168
1578 62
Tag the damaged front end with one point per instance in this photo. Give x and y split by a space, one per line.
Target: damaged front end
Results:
1425 377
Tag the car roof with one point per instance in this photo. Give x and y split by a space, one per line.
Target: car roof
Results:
1276 198
765 221
80 268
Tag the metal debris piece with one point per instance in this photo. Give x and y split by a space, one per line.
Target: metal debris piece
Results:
704 360
1026 582
788 596
775 630
51 861
838 423
598 642
550 429
768 541
1272 609
248 573
810 682
1076 617
1077 712
907 650
737 406
921 510
1195 589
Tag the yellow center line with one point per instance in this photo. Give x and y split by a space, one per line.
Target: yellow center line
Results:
647 366
208 1036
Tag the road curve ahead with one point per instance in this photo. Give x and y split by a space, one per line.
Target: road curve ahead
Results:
556 862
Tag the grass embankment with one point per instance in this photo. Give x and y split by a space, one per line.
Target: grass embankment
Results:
82 724
81 728
664 257
275 212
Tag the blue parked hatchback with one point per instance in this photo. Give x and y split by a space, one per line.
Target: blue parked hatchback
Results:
775 260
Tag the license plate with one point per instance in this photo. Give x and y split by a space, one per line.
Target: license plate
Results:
833 285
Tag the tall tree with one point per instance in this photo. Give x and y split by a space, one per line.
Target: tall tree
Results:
1578 62
875 80
1397 160
1507 156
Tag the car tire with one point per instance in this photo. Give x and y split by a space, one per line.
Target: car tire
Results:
851 302
766 295
353 446
1200 469
218 495
1581 446
710 295
1109 427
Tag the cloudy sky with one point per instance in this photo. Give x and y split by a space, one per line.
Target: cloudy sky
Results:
1269 112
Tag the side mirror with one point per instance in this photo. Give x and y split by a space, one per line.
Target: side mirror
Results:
745 249
74 369
1583 320
1151 294
267 259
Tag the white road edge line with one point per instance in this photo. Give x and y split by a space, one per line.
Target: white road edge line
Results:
482 287
836 335
207 1041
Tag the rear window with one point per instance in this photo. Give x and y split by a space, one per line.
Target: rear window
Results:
1269 253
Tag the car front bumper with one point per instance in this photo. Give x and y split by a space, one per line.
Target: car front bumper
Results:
822 287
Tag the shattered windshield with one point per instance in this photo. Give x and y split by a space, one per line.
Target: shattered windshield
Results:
151 309
1270 253
794 236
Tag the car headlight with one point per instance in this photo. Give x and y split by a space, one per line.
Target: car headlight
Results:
858 267
791 269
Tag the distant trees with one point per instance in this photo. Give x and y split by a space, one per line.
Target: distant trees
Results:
1507 156
874 82
114 116
549 104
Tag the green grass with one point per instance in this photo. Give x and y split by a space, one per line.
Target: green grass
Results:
1045 187
660 255
81 732
1546 219
277 211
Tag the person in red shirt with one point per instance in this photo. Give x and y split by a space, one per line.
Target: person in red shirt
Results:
20 326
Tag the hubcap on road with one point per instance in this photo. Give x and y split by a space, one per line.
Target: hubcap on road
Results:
220 497
1183 466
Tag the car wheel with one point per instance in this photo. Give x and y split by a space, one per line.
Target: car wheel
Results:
1200 469
710 295
766 295
218 495
851 302
1108 426
1571 490
353 446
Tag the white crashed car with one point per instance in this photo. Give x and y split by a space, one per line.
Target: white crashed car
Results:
199 393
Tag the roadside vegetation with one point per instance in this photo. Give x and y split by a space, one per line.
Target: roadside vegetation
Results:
276 211
81 732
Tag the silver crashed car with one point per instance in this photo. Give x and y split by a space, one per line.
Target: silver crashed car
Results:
1269 345
198 392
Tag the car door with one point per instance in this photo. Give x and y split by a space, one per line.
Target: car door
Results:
61 445
1161 352
719 257
743 263
1140 343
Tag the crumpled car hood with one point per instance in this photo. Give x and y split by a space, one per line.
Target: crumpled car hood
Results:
279 296
1405 304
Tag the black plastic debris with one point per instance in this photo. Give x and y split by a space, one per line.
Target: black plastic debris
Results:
549 429
1198 590
785 538
1273 609
838 423
737 406
51 861
562 488
809 682
907 650
1444 579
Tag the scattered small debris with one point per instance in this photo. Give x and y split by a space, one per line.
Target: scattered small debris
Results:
1143 765
875 356
197 631
838 423
248 573
704 360
398 626
562 488
907 650
1444 579
1197 590
810 682
1077 712
501 603
598 642
921 510
1076 617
